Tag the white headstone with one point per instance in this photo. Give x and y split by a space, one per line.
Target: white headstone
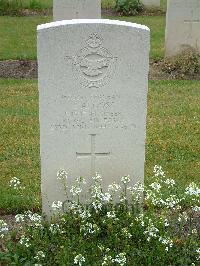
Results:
182 26
93 79
151 3
76 9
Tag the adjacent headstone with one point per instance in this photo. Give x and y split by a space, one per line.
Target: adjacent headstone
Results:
182 26
76 9
93 77
151 3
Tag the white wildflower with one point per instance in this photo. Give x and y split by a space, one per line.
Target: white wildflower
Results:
55 229
196 208
172 201
3 228
166 222
81 179
19 218
15 183
39 256
158 171
97 177
170 182
123 199
156 186
89 228
106 197
24 241
151 231
56 205
79 259
75 190
179 219
101 247
114 187
198 254
96 192
126 233
192 190
194 231
140 219
75 208
33 219
137 191
111 214
125 179
183 217
167 242
62 174
107 260
97 205
120 259
85 214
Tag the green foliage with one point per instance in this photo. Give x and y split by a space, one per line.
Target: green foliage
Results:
108 3
10 7
184 64
106 233
35 4
128 7
15 7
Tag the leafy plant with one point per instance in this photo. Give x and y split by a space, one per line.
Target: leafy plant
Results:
128 7
35 4
186 64
103 232
10 7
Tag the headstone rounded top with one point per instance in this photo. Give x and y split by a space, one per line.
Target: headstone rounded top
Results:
93 77
91 21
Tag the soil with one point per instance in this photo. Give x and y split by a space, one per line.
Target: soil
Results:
104 12
27 69
18 69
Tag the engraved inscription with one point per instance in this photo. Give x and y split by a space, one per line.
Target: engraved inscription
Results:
192 21
94 112
92 154
94 65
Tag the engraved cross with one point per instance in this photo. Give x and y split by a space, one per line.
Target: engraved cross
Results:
93 154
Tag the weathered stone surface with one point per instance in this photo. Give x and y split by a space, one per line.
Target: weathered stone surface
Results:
182 26
151 3
76 9
93 77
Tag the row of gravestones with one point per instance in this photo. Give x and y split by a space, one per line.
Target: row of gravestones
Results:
80 9
93 80
182 23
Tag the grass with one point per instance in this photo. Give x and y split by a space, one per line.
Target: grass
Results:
157 26
19 41
49 3
172 136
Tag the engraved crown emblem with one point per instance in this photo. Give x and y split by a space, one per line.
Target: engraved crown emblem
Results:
93 65
94 41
